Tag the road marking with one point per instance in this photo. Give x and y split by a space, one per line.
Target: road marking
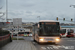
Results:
70 40
43 48
49 48
57 47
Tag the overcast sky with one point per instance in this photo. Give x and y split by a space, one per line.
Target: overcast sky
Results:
28 10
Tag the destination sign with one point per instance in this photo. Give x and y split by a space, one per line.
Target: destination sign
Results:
53 23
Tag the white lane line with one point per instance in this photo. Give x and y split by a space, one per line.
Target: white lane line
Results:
70 40
57 47
49 47
44 48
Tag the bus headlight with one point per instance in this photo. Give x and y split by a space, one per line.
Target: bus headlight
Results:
41 39
57 39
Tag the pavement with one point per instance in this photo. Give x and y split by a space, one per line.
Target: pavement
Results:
64 44
19 45
29 44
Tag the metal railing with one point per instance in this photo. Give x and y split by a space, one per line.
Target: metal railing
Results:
5 39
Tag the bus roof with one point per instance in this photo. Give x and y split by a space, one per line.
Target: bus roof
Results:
47 21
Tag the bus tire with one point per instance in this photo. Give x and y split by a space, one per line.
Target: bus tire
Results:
39 42
34 40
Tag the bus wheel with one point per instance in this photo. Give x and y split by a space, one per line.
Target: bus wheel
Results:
34 40
39 43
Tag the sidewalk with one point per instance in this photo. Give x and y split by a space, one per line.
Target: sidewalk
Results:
19 45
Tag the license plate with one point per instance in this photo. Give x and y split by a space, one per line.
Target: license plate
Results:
49 41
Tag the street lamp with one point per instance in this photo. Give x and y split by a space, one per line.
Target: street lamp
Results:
74 16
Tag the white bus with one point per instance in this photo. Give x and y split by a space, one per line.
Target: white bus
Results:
46 31
64 32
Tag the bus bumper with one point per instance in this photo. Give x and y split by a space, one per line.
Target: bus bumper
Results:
49 40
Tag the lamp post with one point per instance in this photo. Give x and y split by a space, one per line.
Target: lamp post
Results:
74 16
18 28
6 10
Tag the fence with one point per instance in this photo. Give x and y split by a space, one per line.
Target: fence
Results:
5 39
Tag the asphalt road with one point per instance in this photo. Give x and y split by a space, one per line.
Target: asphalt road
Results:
65 44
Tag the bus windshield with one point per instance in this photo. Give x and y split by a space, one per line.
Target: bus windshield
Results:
49 29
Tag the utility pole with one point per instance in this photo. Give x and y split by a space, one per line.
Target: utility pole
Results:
6 10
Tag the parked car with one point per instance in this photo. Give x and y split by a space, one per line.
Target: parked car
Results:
25 34
30 34
14 34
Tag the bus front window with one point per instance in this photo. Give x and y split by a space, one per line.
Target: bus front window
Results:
49 30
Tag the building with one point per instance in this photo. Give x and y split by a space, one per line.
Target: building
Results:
17 26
